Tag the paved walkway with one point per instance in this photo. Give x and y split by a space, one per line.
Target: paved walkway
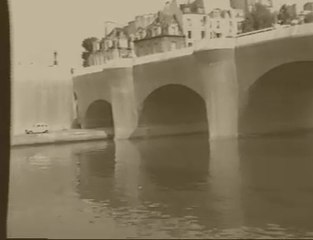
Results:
59 137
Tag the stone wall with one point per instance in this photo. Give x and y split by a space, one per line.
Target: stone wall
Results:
41 94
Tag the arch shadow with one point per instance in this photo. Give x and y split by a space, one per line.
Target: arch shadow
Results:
99 116
172 109
279 101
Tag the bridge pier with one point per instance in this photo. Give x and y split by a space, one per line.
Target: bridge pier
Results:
124 112
219 77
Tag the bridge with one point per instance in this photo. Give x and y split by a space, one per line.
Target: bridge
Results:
253 84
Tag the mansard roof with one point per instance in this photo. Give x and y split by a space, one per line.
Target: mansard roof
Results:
117 32
221 13
163 21
194 6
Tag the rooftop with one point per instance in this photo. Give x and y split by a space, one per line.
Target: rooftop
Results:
196 6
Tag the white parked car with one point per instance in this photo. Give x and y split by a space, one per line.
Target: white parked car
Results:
38 128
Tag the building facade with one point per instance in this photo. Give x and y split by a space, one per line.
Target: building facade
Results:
222 24
116 44
163 35
194 22
174 27
204 20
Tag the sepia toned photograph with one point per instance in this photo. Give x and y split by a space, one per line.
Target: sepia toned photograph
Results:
160 119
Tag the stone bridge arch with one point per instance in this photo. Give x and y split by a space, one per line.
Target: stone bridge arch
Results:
99 115
142 97
255 60
282 53
93 91
280 100
171 109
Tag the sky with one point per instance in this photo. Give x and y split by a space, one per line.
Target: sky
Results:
40 27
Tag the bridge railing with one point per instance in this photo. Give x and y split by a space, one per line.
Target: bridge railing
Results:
163 56
274 33
118 63
263 30
255 32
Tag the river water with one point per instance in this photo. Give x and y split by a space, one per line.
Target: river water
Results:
170 187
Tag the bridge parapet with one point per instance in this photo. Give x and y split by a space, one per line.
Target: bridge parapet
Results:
119 63
215 44
163 56
251 38
212 44
277 33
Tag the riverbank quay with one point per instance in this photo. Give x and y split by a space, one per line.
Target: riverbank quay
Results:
65 136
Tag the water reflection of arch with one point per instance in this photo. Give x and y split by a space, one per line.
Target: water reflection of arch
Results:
176 162
280 100
173 109
277 181
95 174
147 181
174 175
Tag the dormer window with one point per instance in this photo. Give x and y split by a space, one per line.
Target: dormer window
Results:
143 34
109 43
200 10
174 29
187 10
157 31
203 20
189 23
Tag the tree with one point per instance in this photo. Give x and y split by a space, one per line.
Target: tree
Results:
87 44
260 17
308 6
287 14
308 18
85 56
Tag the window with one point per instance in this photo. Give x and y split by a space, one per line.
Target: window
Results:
155 47
123 43
203 20
174 30
189 44
156 31
200 10
110 44
186 10
189 23
173 45
202 34
218 26
143 34
159 31
189 34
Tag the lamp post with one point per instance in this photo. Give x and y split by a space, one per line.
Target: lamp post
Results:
55 58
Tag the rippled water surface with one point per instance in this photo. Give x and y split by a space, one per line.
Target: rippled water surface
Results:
174 187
